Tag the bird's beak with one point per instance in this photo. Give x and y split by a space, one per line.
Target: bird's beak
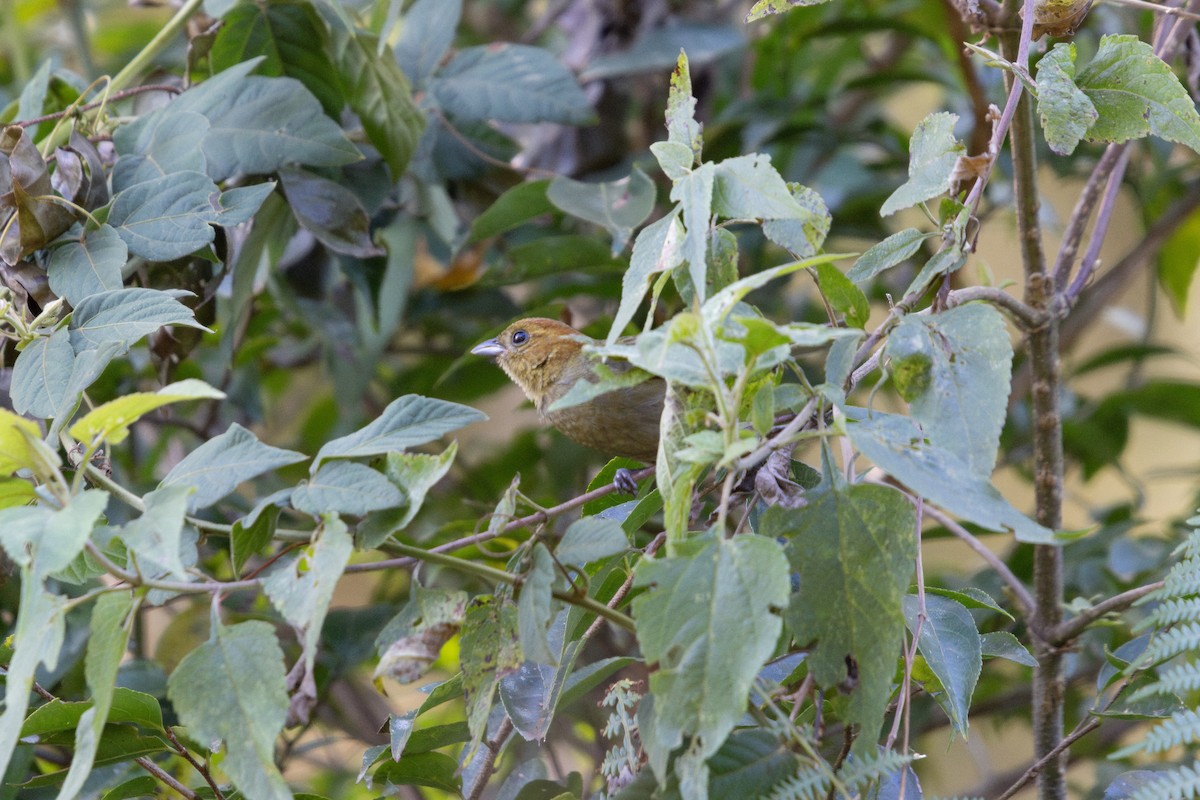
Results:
491 348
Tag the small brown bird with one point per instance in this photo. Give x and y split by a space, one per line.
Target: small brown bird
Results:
546 358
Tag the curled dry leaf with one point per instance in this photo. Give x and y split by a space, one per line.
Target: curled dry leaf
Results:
1058 17
409 658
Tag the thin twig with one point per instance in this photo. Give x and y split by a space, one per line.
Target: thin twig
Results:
196 765
1082 730
121 95
493 746
1076 625
1020 594
1026 316
162 775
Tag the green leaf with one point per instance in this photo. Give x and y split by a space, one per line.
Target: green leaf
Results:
591 539
708 619
301 587
535 607
949 642
217 467
853 548
1002 644
232 688
291 38
804 235
406 422
414 474
933 152
435 770
842 295
110 421
88 266
617 206
682 127
19 438
135 789
381 96
748 187
346 488
42 374
489 649
241 203
723 302
674 158
1135 93
1067 113
124 705
509 83
899 446
425 35
970 597
765 8
251 534
258 124
38 640
46 541
895 249
954 369
1177 263
513 208
155 537
159 144
330 212
168 217
126 315
656 249
694 193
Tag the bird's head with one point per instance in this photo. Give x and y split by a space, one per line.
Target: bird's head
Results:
536 353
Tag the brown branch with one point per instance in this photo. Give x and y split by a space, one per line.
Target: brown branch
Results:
1083 729
121 95
1025 316
493 746
1071 628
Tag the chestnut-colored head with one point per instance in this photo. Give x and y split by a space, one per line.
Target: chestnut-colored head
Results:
538 354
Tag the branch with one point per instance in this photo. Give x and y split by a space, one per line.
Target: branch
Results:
1020 593
1071 628
1027 317
1082 730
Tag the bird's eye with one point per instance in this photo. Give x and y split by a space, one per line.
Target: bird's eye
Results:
520 338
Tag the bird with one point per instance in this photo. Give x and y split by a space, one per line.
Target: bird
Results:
546 358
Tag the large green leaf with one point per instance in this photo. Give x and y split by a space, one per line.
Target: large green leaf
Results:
425 35
301 587
380 95
110 421
899 446
88 266
167 217
853 548
346 488
535 607
656 249
933 152
950 644
110 628
954 370
509 83
489 649
407 421
215 468
155 538
258 124
895 249
694 193
329 211
617 206
708 619
42 374
682 127
159 144
291 38
232 688
1067 113
38 640
749 187
1135 93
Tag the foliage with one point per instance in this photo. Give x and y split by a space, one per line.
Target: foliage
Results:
237 297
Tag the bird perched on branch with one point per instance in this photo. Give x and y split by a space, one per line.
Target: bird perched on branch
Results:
546 359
